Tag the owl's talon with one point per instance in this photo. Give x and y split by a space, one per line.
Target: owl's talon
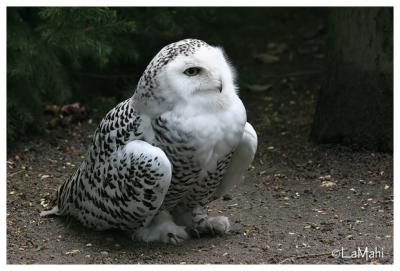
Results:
174 239
217 225
193 232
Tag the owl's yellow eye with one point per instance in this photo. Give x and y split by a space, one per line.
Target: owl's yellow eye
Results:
193 71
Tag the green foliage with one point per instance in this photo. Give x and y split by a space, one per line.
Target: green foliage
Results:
45 47
82 32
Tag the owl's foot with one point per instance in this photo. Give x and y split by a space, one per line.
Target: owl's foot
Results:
53 211
203 224
218 225
162 229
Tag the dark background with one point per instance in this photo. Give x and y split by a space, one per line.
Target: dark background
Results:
57 56
64 55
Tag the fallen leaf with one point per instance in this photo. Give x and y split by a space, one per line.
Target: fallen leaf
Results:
277 48
39 248
267 58
325 178
74 251
262 172
68 149
328 184
258 87
53 109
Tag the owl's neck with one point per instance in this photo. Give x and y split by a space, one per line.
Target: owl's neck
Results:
202 104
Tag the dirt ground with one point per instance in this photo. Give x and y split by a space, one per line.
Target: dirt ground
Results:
299 202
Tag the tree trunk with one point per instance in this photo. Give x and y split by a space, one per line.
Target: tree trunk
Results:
355 105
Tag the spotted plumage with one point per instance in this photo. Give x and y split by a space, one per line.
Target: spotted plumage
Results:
158 158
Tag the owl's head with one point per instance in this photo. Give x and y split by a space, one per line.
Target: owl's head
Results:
186 73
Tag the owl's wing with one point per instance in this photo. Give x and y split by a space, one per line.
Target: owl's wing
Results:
117 128
123 180
241 160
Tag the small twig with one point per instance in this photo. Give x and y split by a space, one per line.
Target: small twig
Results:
305 256
15 173
313 255
287 259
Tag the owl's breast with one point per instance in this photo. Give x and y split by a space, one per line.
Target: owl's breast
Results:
210 136
199 148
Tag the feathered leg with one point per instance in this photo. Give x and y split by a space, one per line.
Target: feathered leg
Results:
162 229
159 225
198 220
241 160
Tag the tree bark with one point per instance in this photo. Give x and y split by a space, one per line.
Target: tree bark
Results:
355 104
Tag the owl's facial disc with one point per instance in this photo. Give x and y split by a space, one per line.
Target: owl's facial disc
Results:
202 74
186 73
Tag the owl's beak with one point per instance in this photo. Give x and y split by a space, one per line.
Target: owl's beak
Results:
220 86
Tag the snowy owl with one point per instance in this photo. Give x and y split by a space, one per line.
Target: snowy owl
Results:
158 158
